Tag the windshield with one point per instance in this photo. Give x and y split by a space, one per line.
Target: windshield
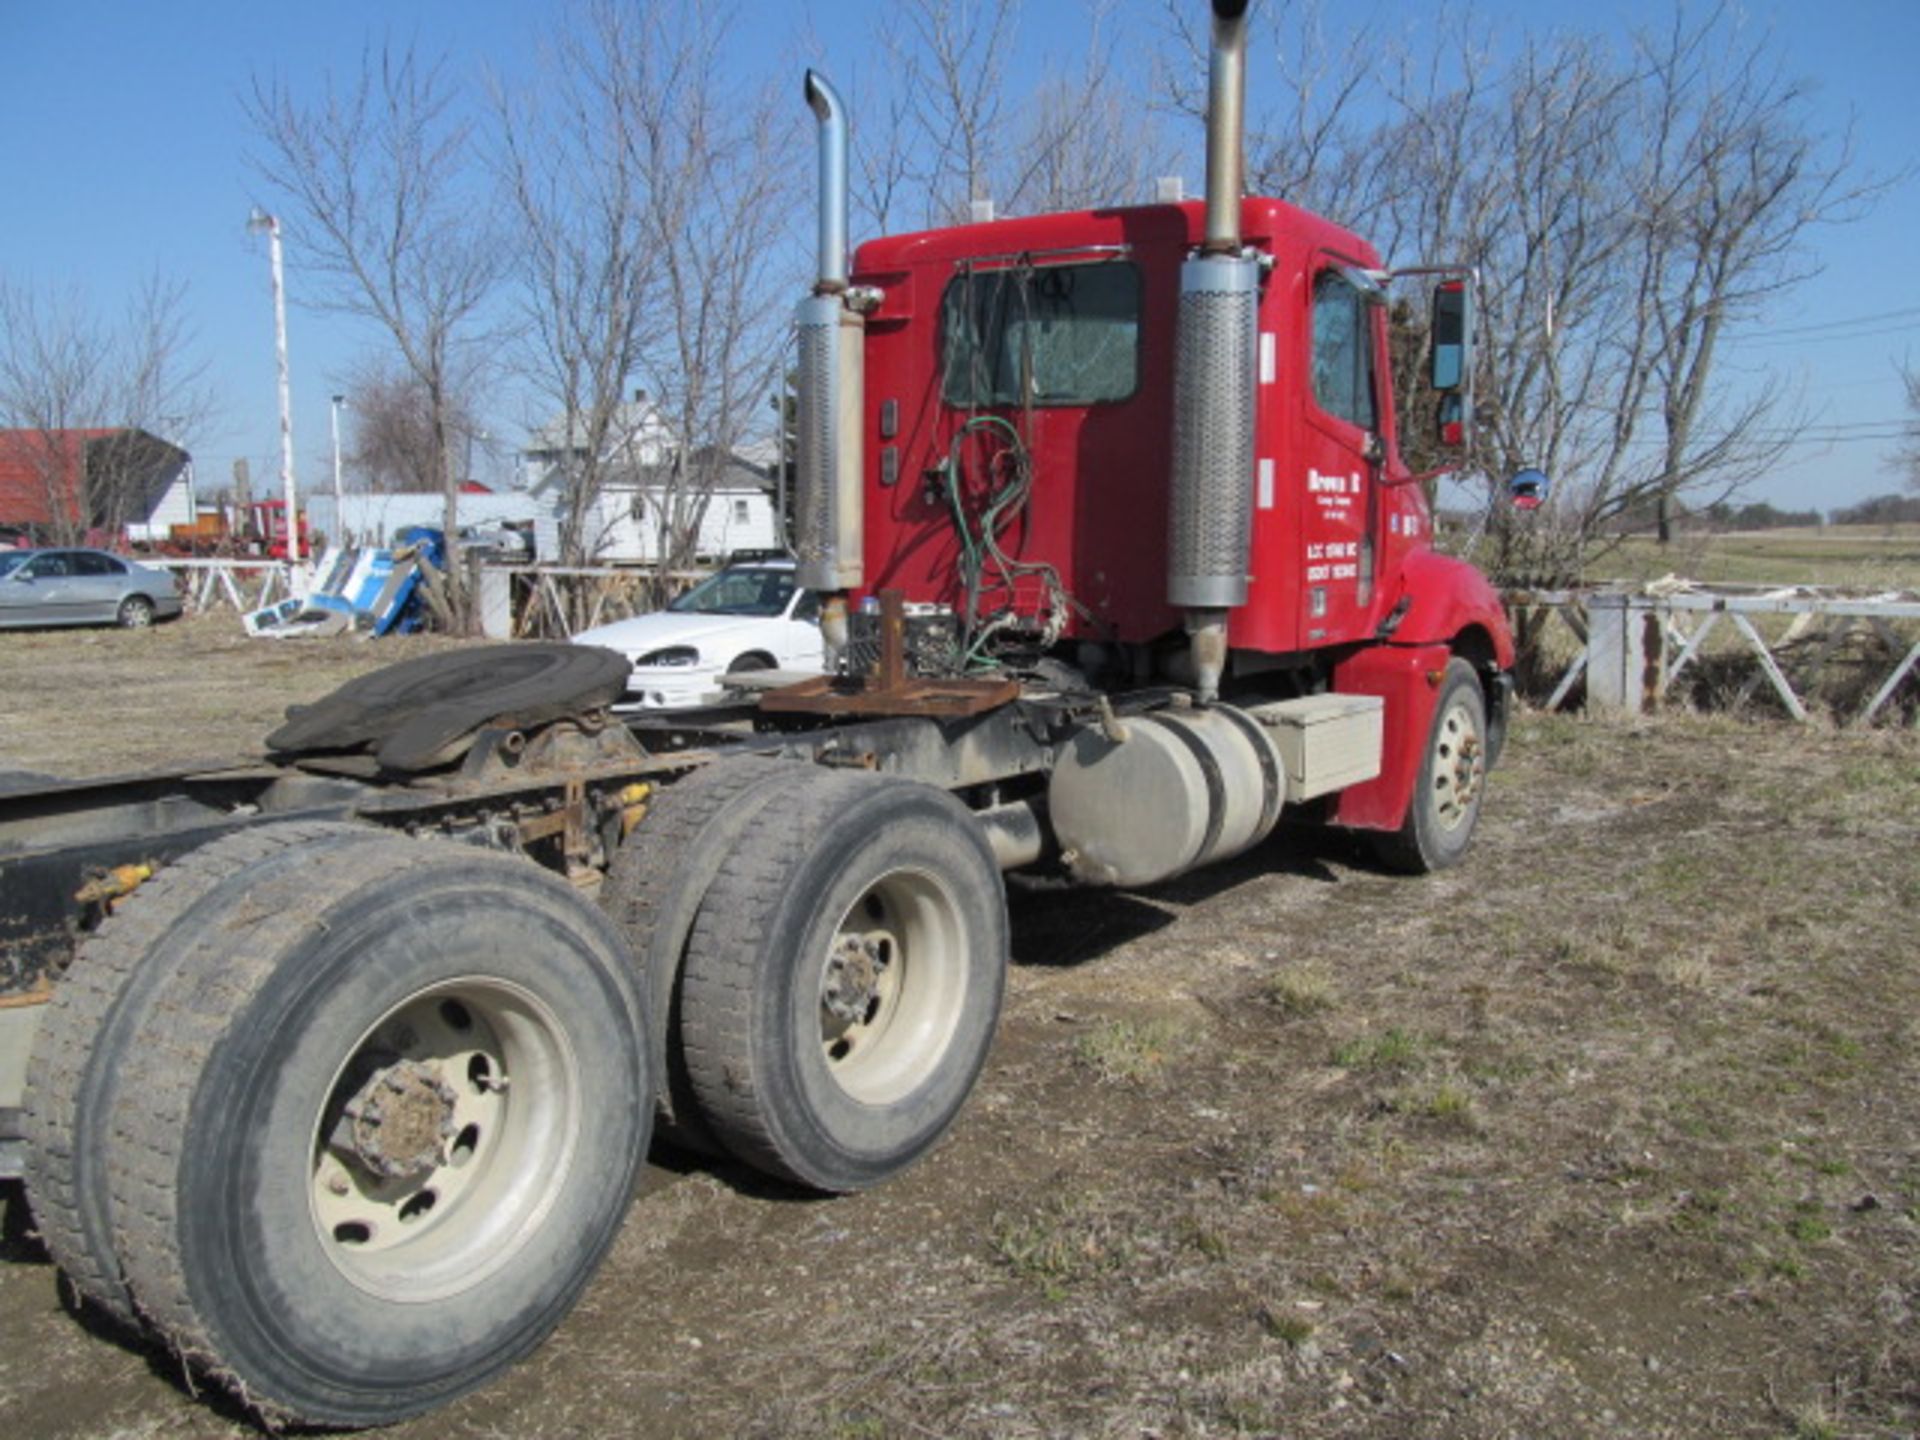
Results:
741 591
11 561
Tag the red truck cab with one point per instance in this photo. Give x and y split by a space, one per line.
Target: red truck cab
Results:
1063 327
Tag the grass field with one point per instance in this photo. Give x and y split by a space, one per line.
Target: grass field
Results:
1607 1133
1870 558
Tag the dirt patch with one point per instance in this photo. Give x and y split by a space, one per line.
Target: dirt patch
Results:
1607 1133
95 702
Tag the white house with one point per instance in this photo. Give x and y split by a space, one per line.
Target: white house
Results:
623 526
375 518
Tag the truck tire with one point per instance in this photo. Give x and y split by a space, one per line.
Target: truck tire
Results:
653 891
843 980
74 1073
378 1126
1447 793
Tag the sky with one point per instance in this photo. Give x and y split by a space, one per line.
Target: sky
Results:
125 144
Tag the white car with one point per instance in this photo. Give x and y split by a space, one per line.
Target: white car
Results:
750 616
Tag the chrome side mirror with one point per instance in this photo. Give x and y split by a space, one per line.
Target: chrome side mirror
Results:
1528 489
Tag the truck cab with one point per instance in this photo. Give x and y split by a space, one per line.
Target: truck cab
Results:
1058 333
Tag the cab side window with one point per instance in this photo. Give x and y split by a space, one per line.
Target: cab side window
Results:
1342 350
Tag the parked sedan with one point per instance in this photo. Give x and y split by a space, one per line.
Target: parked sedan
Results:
748 617
83 587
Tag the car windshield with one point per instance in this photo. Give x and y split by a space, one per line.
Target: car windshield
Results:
739 591
12 560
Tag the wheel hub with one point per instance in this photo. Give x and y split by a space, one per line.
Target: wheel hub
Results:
1466 768
852 981
399 1122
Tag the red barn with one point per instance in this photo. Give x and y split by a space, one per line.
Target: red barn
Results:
64 484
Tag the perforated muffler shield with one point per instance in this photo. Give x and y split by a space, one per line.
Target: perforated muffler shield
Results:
1211 527
828 444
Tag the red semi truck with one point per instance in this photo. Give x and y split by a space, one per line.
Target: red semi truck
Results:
333 1069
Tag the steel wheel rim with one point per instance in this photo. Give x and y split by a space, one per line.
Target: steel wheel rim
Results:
488 1082
886 1021
1459 763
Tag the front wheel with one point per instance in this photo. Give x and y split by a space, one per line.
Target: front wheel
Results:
1453 774
378 1127
844 979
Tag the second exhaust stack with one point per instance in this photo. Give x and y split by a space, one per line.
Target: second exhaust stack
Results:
831 382
1215 345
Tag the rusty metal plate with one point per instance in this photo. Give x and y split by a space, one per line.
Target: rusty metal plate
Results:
830 695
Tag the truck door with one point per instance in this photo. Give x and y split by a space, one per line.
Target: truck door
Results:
1340 456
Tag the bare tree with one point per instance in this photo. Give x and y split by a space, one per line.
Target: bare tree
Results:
648 190
65 369
951 59
1085 140
1629 210
383 217
948 131
1906 458
1737 181
391 447
1308 145
586 263
719 181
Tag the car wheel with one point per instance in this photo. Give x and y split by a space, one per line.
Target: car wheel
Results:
745 664
136 613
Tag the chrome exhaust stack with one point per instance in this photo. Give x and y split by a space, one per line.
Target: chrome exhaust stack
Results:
1215 349
1226 126
830 392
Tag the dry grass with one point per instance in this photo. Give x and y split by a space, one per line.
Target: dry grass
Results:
94 702
1867 557
1607 1133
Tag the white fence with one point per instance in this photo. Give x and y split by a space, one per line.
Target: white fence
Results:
244 584
515 601
1634 646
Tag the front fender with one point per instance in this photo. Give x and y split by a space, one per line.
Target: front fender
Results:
1445 598
1407 679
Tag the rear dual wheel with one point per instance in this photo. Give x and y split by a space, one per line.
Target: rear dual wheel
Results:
654 889
77 1066
843 980
378 1115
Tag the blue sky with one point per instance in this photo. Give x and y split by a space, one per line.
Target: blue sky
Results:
124 145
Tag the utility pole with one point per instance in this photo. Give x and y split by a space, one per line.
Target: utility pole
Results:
339 495
257 222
